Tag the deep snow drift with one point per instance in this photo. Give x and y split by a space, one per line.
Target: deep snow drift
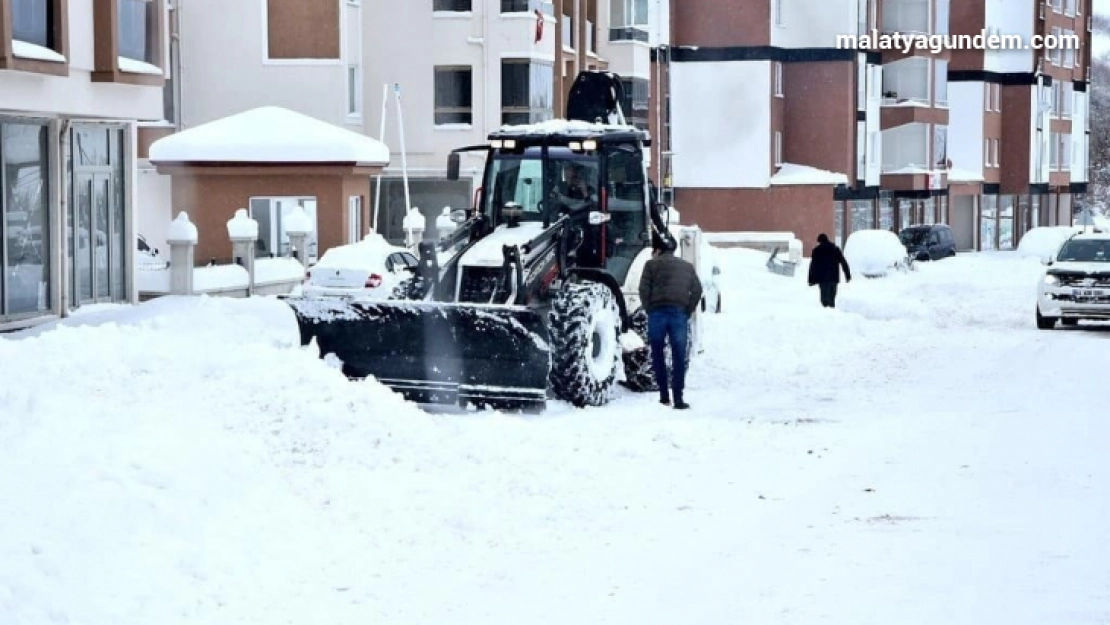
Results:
919 455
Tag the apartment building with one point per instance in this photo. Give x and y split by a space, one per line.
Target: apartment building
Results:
229 57
493 62
771 126
75 78
1019 120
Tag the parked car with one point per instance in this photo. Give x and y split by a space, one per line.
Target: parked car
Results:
1076 285
875 253
931 242
369 269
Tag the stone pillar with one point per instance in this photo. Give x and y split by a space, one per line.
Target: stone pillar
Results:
298 226
414 227
243 232
182 239
444 224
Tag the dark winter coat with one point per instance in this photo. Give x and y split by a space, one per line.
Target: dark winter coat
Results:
825 264
670 281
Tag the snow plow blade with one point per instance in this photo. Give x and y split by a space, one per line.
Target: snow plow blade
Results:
435 353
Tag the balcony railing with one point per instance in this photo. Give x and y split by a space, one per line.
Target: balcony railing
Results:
629 33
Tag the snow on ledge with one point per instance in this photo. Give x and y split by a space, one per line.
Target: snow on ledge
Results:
790 173
131 66
559 126
269 134
25 50
964 175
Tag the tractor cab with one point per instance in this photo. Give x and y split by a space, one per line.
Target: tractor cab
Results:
593 174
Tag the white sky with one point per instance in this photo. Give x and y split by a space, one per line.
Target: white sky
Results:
1101 43
1102 7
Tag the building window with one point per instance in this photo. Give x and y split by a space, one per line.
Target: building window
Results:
906 146
1069 8
568 32
451 5
527 91
271 213
1054 151
778 12
986 152
637 91
906 16
940 73
861 150
453 95
32 22
778 79
996 156
778 148
354 219
354 91
1067 97
1065 151
906 80
514 6
1057 53
137 25
940 147
942 17
24 221
1069 53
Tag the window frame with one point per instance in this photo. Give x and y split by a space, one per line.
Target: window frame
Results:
47 241
437 109
58 31
106 47
531 64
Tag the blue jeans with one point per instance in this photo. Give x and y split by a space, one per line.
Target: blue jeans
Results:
669 323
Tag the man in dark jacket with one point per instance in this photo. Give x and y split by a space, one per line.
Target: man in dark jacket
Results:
670 292
824 269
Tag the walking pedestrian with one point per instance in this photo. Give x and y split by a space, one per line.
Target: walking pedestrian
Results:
670 292
824 269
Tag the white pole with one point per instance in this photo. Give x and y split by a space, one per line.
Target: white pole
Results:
404 158
381 137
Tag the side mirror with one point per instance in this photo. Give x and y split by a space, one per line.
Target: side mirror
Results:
597 218
453 166
458 216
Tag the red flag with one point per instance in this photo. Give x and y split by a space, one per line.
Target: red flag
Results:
539 26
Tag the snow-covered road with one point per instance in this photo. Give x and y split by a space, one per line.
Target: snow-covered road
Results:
920 455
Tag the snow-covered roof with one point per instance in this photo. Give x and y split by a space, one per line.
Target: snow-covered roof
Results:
963 175
791 173
269 135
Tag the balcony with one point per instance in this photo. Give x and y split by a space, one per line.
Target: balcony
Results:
629 20
906 83
906 16
906 149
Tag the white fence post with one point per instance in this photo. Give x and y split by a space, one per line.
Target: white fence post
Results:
182 239
297 227
413 224
444 224
243 232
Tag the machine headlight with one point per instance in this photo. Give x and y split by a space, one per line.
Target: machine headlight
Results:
1051 280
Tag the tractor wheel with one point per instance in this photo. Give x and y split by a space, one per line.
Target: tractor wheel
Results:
585 344
638 373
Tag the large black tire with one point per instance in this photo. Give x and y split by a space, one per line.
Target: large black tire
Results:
639 376
1045 323
585 344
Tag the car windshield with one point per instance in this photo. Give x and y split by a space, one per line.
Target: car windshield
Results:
1085 251
913 237
569 182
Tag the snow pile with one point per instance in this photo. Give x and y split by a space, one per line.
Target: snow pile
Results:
791 173
561 126
181 230
874 253
298 222
280 269
1044 242
241 226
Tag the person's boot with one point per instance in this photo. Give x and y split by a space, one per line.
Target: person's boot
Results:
664 399
679 404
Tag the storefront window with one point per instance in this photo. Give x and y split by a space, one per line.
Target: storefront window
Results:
1006 222
24 284
863 214
838 220
886 215
988 224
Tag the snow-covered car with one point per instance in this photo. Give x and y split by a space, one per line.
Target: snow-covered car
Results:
1076 285
875 253
369 269
1044 242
